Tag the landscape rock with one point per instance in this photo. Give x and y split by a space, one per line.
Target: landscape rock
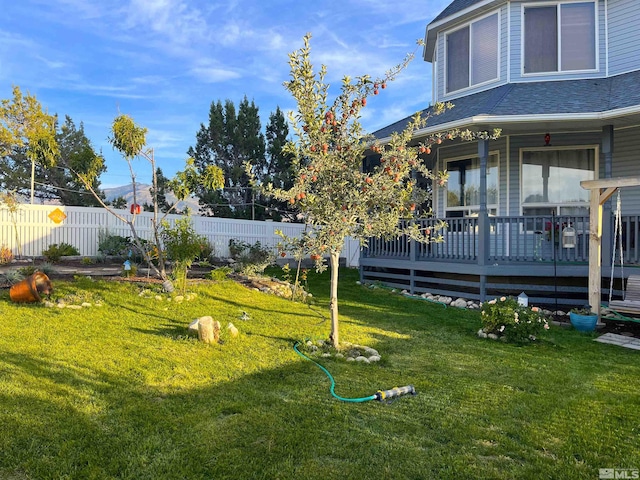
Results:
208 330
492 336
482 333
459 303
233 331
362 359
374 358
351 359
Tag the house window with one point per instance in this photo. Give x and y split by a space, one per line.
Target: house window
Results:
551 181
560 38
463 186
472 54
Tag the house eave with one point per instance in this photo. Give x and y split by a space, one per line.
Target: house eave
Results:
434 27
517 122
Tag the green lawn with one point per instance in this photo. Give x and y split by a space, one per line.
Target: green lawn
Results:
119 391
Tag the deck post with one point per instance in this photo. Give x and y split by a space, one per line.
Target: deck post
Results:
595 256
483 216
601 191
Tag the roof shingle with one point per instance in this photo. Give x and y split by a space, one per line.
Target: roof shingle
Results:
538 98
455 7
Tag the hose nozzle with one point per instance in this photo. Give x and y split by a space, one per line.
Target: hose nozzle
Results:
383 395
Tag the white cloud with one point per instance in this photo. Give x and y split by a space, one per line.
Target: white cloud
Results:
214 74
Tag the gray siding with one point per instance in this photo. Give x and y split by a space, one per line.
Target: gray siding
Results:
516 48
624 36
626 162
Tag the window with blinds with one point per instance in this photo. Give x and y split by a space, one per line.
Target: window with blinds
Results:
472 54
560 38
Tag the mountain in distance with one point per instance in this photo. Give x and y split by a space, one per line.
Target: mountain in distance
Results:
143 196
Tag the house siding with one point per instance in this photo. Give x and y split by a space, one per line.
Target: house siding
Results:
625 164
624 36
441 93
516 49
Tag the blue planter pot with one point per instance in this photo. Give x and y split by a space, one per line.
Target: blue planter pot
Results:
583 323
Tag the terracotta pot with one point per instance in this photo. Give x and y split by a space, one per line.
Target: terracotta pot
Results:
29 289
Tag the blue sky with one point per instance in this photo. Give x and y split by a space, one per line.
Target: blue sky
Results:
164 61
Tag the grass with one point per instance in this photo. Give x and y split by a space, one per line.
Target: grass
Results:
119 391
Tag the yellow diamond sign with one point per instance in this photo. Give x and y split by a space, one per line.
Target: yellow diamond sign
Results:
57 216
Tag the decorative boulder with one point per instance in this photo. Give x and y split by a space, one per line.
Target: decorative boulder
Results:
459 303
206 329
233 331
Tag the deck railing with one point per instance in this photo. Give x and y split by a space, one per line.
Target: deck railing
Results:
536 238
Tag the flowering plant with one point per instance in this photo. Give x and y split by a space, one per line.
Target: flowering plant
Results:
516 323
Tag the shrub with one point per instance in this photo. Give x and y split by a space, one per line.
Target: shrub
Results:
515 323
45 268
207 250
182 245
6 255
55 251
250 259
113 244
219 274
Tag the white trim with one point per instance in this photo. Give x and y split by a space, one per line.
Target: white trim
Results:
461 13
469 59
514 119
559 71
606 37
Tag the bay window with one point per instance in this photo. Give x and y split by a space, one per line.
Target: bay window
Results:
560 37
472 54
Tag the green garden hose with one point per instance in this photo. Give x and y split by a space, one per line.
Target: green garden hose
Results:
380 395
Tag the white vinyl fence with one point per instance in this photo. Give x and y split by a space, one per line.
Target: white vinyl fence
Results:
39 226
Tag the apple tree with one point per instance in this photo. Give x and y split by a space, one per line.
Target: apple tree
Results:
336 197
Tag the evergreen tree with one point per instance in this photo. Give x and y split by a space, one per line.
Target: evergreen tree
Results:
279 164
163 182
228 141
76 155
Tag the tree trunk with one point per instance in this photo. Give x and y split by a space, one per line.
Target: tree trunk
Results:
333 305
